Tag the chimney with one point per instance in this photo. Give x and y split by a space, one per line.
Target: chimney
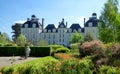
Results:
28 19
59 23
42 23
66 24
63 20
84 21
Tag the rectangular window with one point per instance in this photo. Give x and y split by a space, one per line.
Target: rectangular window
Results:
60 40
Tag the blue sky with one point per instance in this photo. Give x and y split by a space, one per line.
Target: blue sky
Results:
52 10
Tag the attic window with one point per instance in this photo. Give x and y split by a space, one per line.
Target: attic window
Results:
79 30
54 30
90 24
74 30
26 25
61 26
34 25
49 31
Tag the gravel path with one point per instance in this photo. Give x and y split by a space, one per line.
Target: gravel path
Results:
7 61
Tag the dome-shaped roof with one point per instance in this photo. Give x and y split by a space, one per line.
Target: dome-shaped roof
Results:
94 14
33 16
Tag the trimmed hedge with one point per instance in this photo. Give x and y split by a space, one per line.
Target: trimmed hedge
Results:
40 51
62 50
20 51
10 51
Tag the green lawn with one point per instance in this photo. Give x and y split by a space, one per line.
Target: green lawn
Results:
29 66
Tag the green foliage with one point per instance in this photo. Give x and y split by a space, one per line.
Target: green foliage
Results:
54 48
112 49
76 38
42 43
19 51
109 22
74 47
3 39
10 51
86 66
109 70
10 44
21 40
46 65
62 50
69 66
88 37
40 51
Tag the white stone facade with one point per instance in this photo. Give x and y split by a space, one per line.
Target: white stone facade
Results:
35 31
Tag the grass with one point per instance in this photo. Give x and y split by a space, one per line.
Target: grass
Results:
28 66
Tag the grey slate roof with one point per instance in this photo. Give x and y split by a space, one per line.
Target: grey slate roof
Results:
50 27
75 27
30 24
94 22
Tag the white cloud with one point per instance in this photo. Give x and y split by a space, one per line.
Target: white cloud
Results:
20 21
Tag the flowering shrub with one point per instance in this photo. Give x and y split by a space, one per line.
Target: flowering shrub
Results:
91 48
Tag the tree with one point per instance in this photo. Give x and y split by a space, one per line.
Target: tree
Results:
42 43
21 40
88 37
4 39
109 22
76 38
16 30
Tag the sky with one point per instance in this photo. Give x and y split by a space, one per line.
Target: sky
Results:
73 11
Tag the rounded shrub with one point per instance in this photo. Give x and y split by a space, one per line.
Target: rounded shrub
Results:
62 50
91 48
54 48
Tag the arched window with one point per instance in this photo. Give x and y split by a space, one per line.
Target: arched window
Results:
90 24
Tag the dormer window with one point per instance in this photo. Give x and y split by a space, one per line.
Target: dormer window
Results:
62 26
79 30
49 31
90 24
26 25
74 30
54 30
34 25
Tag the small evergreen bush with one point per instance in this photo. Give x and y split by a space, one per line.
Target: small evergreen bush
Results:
109 70
62 50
